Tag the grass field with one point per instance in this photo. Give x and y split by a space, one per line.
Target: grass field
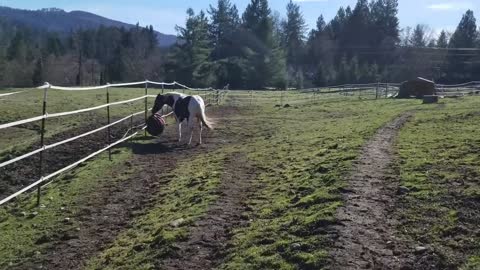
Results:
300 157
439 163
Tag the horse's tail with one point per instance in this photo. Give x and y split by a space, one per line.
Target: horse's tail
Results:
204 120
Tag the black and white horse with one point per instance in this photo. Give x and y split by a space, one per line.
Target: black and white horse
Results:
184 107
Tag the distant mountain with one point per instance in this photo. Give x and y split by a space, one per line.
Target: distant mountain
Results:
58 20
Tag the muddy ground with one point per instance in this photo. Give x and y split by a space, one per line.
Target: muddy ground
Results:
110 209
19 174
366 233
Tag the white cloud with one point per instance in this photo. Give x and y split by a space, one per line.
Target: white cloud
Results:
450 6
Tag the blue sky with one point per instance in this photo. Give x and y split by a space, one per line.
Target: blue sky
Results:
165 14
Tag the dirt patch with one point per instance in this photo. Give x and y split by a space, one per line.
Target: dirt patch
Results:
209 237
111 208
19 174
367 228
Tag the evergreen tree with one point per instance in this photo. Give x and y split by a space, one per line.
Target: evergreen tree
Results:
17 48
442 41
223 30
189 60
266 60
224 23
358 28
294 29
294 33
385 21
465 36
418 38
37 78
461 67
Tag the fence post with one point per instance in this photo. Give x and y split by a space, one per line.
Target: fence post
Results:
108 122
162 94
146 104
217 97
131 127
42 136
281 97
376 91
386 91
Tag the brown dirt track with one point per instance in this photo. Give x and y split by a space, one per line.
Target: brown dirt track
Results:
367 225
110 209
210 235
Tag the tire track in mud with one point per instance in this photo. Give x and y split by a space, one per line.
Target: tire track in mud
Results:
366 233
209 236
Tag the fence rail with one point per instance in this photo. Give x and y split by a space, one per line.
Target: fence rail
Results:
212 96
46 115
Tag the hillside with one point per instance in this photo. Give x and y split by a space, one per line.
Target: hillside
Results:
58 20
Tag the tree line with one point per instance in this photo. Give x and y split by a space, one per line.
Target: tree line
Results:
258 48
85 57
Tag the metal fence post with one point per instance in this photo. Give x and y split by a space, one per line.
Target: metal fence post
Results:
386 91
42 136
146 104
108 122
131 127
162 94
376 90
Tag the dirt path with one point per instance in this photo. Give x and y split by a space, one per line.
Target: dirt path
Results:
366 230
209 236
109 210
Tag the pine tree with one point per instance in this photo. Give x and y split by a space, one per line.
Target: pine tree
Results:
190 60
294 29
358 28
294 33
224 23
418 38
17 48
338 23
37 78
442 41
386 23
265 58
460 67
465 36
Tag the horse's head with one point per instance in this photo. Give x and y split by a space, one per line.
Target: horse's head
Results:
162 100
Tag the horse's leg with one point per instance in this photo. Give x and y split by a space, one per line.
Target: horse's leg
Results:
191 122
200 125
179 127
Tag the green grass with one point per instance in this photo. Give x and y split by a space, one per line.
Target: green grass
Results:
301 166
301 157
190 189
439 162
29 104
21 228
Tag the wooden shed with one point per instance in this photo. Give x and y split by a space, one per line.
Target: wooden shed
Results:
417 88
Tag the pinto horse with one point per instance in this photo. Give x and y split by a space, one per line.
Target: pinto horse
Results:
184 107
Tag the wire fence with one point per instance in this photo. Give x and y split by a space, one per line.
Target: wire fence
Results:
211 97
210 94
